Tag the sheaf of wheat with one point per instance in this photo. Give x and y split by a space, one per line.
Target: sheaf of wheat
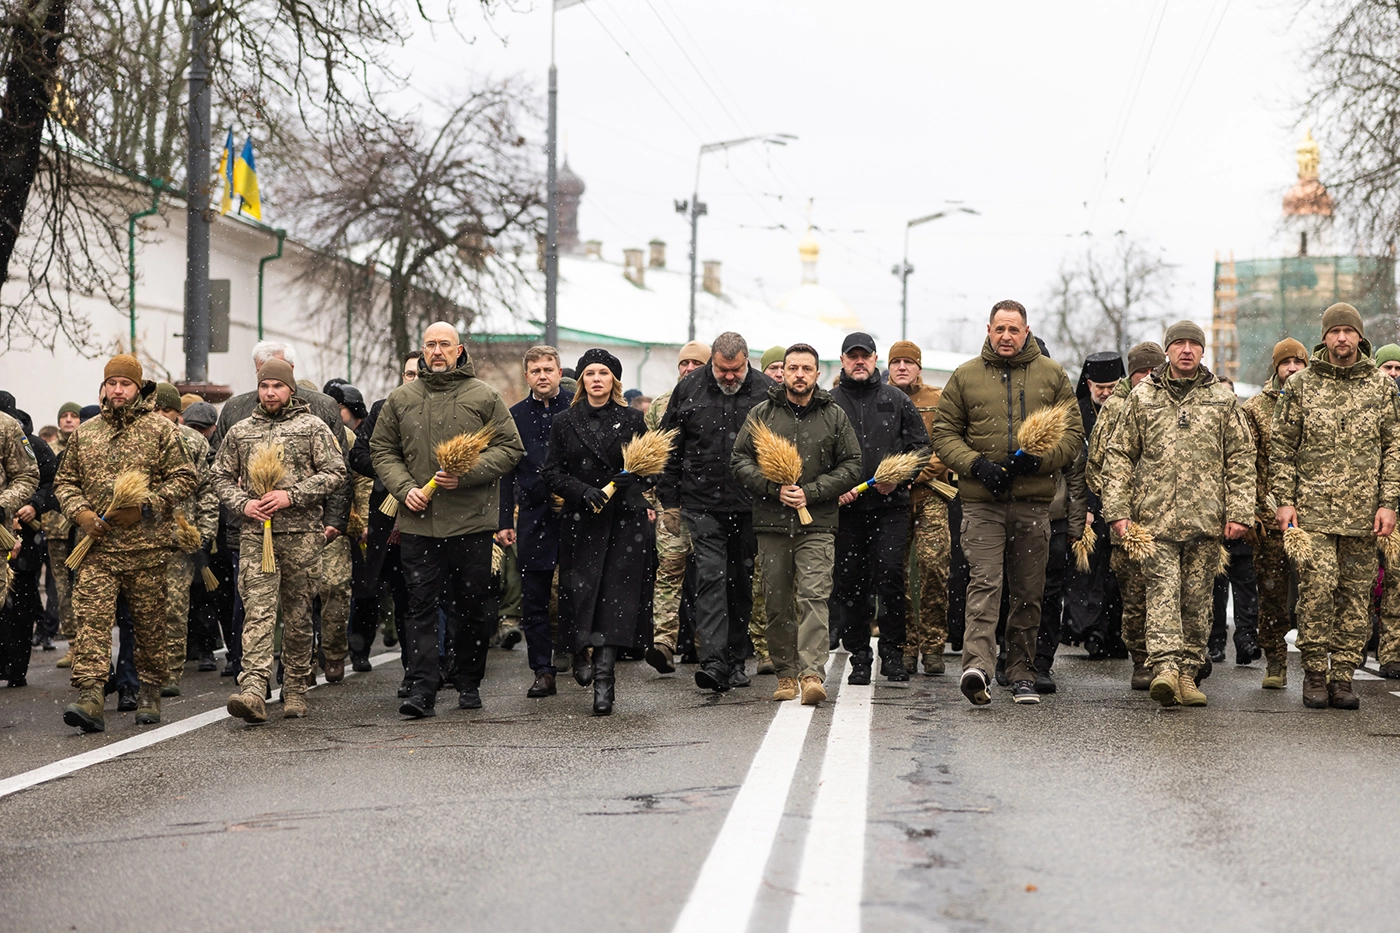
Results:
645 455
1043 429
1084 548
266 468
778 461
131 488
1138 542
1296 544
186 535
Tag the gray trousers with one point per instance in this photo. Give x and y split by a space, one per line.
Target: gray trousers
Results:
1007 541
796 587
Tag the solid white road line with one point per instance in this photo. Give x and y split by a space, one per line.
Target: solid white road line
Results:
145 739
724 893
832 878
1362 674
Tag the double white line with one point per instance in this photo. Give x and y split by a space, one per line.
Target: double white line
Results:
830 881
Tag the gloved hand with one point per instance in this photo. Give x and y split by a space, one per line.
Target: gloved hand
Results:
124 518
92 526
624 479
671 521
992 475
594 499
1022 464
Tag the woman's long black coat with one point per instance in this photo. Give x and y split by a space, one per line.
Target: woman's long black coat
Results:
606 558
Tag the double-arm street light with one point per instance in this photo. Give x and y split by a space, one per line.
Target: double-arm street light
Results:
903 270
695 208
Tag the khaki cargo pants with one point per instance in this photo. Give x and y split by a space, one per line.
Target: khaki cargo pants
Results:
796 587
291 586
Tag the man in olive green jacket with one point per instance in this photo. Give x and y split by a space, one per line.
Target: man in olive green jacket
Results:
1006 492
797 559
1334 464
446 539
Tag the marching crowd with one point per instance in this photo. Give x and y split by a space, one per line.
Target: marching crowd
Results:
747 522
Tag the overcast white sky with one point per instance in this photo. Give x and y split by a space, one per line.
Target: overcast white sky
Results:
1061 122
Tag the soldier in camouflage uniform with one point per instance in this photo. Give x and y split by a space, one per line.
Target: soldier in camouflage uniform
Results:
19 479
1270 562
1334 465
1132 588
673 544
336 572
314 468
201 511
131 545
56 532
1180 463
1388 638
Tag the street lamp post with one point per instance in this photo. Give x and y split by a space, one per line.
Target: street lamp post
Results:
903 270
695 208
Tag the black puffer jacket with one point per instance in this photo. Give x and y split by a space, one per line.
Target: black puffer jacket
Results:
698 477
886 422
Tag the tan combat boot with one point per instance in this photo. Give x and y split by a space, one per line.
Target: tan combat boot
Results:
812 690
1188 694
148 705
86 711
933 662
1276 675
66 660
1164 687
1315 689
787 689
248 705
293 705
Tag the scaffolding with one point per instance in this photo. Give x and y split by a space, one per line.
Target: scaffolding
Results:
1224 332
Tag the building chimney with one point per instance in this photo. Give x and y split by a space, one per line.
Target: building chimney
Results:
658 254
711 281
593 249
632 268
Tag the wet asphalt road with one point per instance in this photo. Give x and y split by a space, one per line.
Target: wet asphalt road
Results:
1093 811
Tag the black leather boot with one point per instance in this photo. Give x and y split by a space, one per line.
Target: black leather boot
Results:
583 668
603 660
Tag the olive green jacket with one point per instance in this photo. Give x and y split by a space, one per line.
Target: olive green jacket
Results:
1334 449
982 408
1181 460
417 417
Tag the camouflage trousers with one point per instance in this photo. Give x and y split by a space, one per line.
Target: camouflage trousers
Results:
672 550
179 572
1132 590
932 546
101 579
758 621
58 553
1334 602
1388 650
1271 569
1179 584
335 598
290 587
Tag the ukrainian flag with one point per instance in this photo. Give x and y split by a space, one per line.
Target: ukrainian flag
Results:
245 181
226 170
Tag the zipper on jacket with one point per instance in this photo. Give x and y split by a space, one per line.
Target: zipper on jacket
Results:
1023 403
1010 417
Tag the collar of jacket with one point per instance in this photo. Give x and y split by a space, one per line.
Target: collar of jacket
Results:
465 369
1363 367
914 386
1273 387
820 397
876 380
1027 354
142 404
1180 388
712 384
295 406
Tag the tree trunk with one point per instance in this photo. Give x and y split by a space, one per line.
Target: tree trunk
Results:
29 80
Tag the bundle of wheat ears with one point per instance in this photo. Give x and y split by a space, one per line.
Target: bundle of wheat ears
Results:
896 469
211 582
946 490
7 538
132 488
778 461
1138 542
265 470
1390 547
1222 560
645 455
186 535
498 560
456 455
1296 544
1085 547
1043 429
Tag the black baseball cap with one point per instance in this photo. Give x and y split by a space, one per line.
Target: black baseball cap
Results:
858 341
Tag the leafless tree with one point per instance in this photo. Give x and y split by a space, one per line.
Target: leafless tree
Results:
1109 299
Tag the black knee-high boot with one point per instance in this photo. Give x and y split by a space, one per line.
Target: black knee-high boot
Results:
603 660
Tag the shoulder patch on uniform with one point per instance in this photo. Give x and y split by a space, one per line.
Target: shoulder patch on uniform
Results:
24 441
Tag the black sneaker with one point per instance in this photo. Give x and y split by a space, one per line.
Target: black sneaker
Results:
361 665
207 662
417 707
712 677
469 698
1024 692
1044 682
738 677
860 671
893 669
126 699
1002 680
406 688
1247 649
974 687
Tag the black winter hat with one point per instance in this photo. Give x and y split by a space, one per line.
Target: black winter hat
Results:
89 411
350 397
598 355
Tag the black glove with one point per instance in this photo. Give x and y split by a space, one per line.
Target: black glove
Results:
595 499
1022 464
991 475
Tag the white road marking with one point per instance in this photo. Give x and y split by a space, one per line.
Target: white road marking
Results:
831 880
724 893
1290 638
1395 693
1363 674
145 739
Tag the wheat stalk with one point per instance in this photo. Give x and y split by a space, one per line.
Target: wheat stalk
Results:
778 460
1297 544
7 539
1138 542
946 490
895 469
131 488
1084 548
1043 429
1222 560
1390 547
265 470
645 455
390 506
458 455
186 535
211 582
498 560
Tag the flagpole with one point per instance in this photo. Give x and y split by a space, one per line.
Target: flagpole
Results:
551 244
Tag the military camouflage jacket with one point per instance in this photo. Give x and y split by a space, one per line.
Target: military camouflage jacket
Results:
1181 460
1334 449
19 471
360 488
313 466
131 438
1259 412
1103 429
202 508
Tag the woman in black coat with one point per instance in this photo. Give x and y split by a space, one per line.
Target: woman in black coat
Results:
605 544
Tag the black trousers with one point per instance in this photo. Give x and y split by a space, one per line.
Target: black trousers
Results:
19 615
724 548
49 624
1052 605
959 575
1245 584
535 588
208 610
461 567
868 580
